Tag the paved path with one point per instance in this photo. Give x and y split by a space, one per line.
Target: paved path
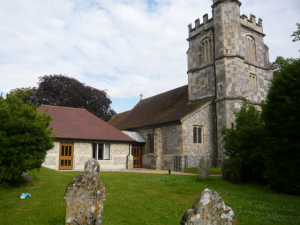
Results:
143 170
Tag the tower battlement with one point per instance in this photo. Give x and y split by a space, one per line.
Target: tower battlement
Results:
216 2
251 23
199 27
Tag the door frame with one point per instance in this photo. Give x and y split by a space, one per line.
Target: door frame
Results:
140 157
66 157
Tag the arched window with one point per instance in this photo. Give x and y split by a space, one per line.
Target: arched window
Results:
206 51
198 134
250 48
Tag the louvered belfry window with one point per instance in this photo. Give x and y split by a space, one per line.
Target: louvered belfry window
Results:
206 54
250 48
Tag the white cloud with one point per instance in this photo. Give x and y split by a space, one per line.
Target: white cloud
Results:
126 47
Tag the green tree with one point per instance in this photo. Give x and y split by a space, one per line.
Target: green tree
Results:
279 63
281 114
296 34
24 136
243 145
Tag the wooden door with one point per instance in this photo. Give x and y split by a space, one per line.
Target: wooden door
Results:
137 156
66 152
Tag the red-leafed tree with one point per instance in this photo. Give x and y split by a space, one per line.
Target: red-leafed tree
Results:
62 90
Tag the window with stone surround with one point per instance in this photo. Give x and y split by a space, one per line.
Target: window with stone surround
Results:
253 82
150 143
205 49
101 151
197 134
250 48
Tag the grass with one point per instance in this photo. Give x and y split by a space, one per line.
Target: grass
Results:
212 170
134 198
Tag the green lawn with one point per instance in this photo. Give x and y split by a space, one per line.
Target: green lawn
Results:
212 170
134 198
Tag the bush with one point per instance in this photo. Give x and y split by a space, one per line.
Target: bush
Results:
24 137
243 144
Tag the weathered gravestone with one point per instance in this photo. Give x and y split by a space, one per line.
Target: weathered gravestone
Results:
85 196
209 208
204 168
223 168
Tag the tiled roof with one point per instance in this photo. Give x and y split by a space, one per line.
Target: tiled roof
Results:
75 123
167 107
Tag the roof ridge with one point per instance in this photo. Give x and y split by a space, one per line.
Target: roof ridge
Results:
164 92
63 107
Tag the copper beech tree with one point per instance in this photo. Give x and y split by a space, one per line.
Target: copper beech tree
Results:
61 90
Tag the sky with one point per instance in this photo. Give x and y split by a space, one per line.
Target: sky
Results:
126 47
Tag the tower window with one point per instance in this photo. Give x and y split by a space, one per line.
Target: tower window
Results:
250 48
206 50
253 82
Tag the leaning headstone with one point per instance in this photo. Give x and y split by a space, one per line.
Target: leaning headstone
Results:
223 168
209 208
204 168
85 196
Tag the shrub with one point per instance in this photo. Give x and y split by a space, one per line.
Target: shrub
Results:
24 136
243 144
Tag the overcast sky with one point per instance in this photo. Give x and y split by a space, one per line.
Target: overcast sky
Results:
126 47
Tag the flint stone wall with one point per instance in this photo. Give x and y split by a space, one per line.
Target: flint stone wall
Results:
208 148
209 208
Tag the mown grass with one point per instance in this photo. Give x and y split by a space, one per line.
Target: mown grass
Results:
212 170
135 198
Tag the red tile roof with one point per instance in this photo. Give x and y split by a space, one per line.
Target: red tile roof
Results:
76 123
167 107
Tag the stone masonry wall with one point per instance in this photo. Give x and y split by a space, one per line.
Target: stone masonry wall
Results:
171 139
119 152
82 152
167 143
52 157
205 118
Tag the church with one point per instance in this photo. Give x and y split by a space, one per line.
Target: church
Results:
227 60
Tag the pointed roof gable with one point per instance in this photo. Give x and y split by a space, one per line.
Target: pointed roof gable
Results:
170 106
76 123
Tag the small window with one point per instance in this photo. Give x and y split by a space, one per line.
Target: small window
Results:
220 87
253 82
198 134
232 125
150 143
101 151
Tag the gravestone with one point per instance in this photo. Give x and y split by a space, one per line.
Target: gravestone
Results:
203 168
209 208
85 196
223 168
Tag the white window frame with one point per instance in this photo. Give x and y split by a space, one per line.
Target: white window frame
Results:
105 150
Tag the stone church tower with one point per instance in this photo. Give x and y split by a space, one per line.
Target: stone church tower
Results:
227 60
